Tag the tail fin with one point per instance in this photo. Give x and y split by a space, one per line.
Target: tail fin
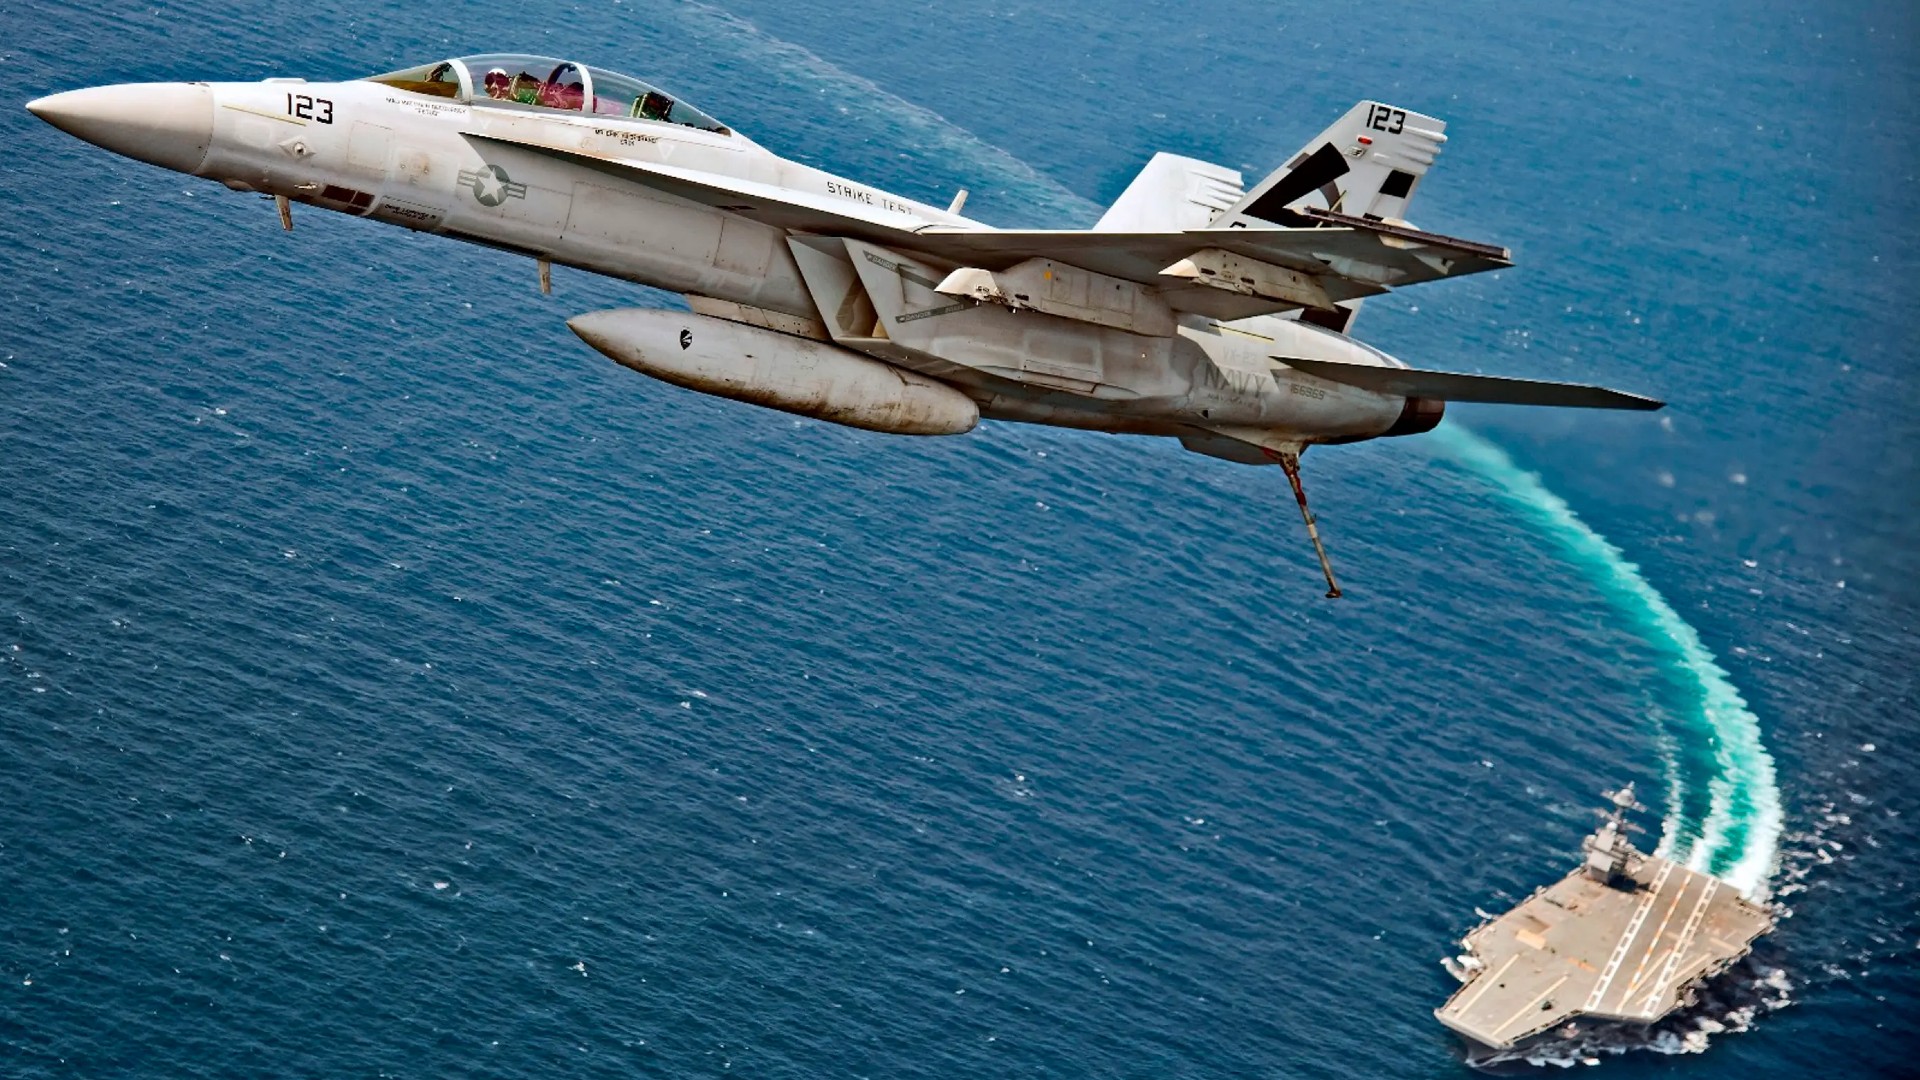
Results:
1366 165
1173 194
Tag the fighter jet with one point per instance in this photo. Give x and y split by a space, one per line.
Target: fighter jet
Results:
1196 308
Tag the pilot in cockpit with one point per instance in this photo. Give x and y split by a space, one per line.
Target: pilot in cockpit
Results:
564 89
653 105
499 86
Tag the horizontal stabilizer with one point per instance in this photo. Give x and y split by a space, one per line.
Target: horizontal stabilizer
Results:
1453 386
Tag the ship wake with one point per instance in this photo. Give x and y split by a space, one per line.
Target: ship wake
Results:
1724 815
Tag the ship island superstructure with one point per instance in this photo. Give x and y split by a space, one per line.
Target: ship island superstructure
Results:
1627 938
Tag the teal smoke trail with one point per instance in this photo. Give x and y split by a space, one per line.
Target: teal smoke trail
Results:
1739 836
1724 812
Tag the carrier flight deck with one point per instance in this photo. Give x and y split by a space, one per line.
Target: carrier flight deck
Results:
1624 939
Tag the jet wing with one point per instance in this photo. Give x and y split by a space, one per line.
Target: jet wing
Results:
772 204
1350 257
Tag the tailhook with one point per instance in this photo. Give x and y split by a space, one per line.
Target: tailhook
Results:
1290 464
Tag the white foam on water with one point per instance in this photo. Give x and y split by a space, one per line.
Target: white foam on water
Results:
1743 794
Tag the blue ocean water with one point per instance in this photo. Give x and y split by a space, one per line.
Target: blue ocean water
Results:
393 686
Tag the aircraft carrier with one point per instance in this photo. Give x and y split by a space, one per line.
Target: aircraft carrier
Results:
1624 940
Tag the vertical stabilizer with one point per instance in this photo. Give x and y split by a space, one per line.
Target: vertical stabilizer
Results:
1366 165
1173 194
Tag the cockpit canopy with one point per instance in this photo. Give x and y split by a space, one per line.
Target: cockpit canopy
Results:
542 82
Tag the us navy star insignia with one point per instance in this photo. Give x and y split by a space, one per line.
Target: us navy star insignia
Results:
491 186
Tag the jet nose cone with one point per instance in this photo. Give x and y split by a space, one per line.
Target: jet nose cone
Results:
166 124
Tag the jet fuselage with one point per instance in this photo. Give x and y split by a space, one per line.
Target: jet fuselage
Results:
477 172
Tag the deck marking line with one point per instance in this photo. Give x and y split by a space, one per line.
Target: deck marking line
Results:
1485 985
1522 1010
1626 939
1640 969
1687 932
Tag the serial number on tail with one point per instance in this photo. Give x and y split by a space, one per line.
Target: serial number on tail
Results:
1391 121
